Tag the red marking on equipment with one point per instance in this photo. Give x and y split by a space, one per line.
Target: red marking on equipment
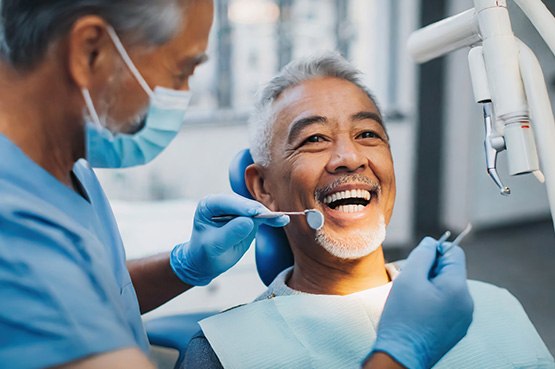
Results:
525 126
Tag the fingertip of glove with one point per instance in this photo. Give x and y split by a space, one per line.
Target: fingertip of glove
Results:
281 221
427 245
428 242
454 252
243 222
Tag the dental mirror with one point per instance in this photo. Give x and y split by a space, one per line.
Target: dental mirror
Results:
314 217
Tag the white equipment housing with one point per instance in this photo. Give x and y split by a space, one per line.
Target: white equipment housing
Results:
507 81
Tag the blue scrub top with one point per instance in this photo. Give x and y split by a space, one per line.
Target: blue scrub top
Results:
65 292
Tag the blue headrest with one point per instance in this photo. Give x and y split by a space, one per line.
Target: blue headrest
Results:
273 253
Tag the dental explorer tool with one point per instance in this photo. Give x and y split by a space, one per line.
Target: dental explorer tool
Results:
314 217
441 240
443 250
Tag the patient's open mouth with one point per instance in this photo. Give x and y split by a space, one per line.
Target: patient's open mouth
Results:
348 201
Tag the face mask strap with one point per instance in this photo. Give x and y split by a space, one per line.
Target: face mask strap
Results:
125 56
91 109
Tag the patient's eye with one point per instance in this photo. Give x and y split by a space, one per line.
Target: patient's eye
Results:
314 139
313 142
371 137
369 134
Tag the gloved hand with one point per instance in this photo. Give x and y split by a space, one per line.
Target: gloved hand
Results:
215 246
429 308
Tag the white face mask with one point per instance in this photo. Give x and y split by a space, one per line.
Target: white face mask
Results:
163 121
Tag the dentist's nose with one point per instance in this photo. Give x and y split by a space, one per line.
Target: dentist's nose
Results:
345 157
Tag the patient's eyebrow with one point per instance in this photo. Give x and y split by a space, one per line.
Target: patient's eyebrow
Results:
297 126
362 115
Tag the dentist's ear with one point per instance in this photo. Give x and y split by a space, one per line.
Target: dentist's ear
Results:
258 186
90 53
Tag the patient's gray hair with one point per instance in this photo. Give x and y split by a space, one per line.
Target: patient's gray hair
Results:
28 27
293 74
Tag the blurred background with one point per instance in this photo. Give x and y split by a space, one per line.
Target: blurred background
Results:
436 134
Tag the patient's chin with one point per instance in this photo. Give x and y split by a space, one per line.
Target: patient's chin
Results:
353 246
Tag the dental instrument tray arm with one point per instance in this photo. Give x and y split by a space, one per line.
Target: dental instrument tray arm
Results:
507 81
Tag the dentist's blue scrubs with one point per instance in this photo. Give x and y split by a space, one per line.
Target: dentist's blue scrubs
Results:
65 292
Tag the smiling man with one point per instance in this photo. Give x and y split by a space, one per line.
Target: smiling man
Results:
328 149
318 141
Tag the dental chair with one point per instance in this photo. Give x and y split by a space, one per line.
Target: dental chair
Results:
273 255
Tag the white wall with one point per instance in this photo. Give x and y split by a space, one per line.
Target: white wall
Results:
194 165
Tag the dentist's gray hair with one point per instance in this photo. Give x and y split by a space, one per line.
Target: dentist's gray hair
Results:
28 27
296 72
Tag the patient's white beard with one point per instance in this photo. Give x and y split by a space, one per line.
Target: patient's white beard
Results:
353 246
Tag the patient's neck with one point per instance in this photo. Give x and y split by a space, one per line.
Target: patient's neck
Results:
332 276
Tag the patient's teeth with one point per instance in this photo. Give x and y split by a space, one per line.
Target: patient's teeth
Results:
347 194
350 208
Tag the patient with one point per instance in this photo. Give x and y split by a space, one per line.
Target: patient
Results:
318 141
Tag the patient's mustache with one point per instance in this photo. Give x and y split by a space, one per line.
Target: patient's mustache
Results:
353 178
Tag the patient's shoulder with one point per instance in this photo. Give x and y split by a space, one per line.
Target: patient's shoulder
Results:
501 332
493 303
200 354
491 297
485 286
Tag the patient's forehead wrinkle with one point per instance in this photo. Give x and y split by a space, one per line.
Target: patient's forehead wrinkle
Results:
298 125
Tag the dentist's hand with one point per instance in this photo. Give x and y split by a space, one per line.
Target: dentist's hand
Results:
214 246
429 308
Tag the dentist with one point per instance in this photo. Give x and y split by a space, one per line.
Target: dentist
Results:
105 83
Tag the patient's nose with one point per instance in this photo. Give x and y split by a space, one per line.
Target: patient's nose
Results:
345 157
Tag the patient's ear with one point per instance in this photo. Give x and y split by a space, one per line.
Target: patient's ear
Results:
257 185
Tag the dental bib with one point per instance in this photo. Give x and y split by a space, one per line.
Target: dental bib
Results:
322 331
299 331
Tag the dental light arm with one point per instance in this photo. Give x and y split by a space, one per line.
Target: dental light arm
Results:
454 32
507 82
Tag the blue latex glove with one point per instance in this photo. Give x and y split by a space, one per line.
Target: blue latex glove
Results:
214 246
429 308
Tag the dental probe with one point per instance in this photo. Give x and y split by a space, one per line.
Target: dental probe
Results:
314 218
441 240
443 250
